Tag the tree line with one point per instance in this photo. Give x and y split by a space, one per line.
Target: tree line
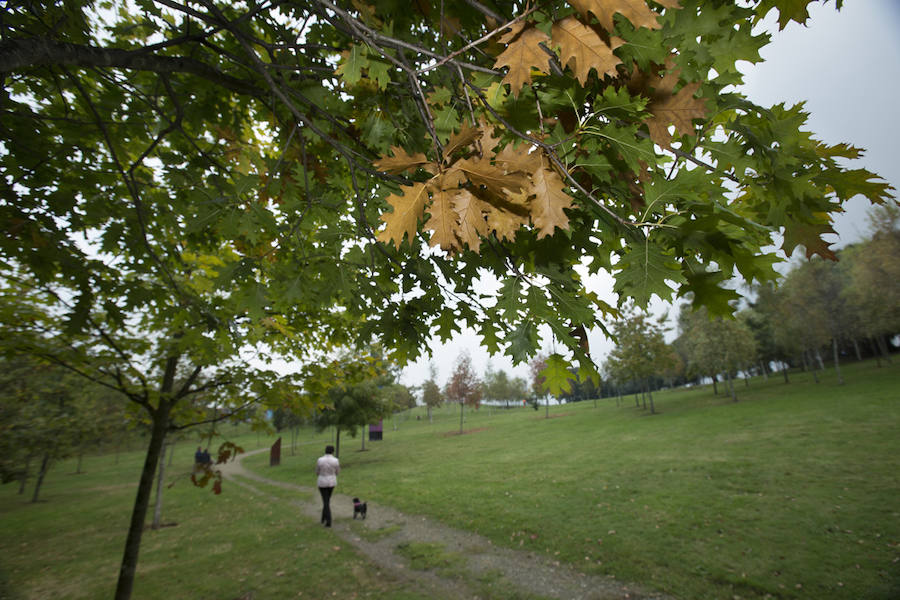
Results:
821 310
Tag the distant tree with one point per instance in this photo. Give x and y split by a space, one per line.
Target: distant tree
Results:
46 414
715 345
464 387
641 351
873 292
431 391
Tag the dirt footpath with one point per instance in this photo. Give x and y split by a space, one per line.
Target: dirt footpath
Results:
382 535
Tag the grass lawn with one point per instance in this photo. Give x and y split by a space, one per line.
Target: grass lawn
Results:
69 545
793 492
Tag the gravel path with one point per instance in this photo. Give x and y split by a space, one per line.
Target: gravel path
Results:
386 530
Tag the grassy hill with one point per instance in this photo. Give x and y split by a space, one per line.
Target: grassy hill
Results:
793 492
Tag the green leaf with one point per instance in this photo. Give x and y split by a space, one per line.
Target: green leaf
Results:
557 377
644 270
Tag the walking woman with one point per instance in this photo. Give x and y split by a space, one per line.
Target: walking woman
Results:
327 468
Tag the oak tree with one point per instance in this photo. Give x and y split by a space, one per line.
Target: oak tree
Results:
186 185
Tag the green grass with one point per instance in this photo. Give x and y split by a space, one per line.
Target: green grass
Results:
793 492
70 544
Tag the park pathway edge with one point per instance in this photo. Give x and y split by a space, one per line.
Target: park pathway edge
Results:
386 529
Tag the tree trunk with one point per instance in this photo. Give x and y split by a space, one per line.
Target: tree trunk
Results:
160 424
819 360
837 364
784 371
363 436
160 473
884 349
461 406
715 386
637 401
811 369
730 385
856 348
650 394
78 464
337 442
762 369
45 463
24 478
747 377
547 408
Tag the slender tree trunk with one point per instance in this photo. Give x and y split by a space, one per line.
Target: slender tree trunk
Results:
784 371
715 386
430 418
637 401
730 382
337 442
160 474
363 436
837 364
819 360
461 406
650 395
547 407
160 424
762 369
78 464
24 478
747 377
856 348
811 369
644 396
805 363
45 464
884 349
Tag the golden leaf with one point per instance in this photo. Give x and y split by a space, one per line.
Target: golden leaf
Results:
679 110
488 141
495 179
514 159
472 224
503 222
520 55
400 161
404 220
549 201
636 11
582 49
467 134
444 221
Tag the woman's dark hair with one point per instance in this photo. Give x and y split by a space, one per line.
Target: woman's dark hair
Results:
329 449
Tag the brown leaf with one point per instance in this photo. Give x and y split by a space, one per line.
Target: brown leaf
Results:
582 49
400 161
497 181
488 141
504 222
520 56
444 221
467 134
472 223
404 220
549 201
679 110
636 11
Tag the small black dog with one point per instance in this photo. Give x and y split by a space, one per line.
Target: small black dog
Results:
359 508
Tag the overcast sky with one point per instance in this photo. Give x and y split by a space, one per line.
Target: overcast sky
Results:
846 66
